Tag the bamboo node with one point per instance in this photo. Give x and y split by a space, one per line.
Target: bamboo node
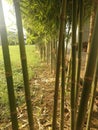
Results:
28 98
88 78
14 113
8 74
23 58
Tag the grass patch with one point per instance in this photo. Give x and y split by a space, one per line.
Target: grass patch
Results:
32 61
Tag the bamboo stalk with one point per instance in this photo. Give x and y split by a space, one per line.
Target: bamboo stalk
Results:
94 86
62 26
62 86
8 70
48 53
24 63
88 78
92 20
51 55
79 49
73 75
54 55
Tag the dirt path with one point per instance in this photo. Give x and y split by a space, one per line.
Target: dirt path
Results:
43 87
42 91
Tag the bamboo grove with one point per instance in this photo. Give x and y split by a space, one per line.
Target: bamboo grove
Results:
52 26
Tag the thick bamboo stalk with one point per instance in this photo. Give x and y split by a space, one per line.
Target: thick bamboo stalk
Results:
79 49
88 78
92 20
24 63
62 86
73 75
8 70
62 26
94 86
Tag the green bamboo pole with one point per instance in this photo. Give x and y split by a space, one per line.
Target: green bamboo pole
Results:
94 86
62 86
24 63
92 20
48 53
51 55
62 26
91 65
79 49
8 70
54 55
73 74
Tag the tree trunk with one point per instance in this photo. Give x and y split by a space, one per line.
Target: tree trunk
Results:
73 75
89 74
48 53
62 27
79 49
8 70
24 64
52 56
94 86
62 85
92 20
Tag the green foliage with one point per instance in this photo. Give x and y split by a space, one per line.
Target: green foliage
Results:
40 18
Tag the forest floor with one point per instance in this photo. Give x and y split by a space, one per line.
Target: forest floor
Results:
42 92
42 96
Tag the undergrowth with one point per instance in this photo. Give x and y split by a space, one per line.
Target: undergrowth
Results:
32 61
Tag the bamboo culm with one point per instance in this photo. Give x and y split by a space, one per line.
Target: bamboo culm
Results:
24 63
79 50
93 90
8 70
88 78
62 26
73 55
62 86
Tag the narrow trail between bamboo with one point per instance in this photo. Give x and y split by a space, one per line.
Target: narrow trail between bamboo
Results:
42 96
43 87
